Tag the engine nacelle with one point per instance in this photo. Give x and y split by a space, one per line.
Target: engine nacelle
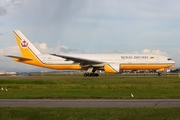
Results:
112 68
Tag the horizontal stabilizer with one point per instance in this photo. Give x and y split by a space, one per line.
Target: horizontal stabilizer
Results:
20 58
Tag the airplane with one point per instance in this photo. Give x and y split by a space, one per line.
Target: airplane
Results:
110 63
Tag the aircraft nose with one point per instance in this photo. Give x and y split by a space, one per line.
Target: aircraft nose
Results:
173 62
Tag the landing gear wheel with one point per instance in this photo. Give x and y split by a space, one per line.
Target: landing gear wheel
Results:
85 74
159 74
91 74
96 74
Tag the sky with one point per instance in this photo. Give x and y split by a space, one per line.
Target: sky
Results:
90 26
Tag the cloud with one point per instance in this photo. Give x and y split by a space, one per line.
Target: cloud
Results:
3 10
43 46
147 51
7 5
1 34
12 50
7 63
111 51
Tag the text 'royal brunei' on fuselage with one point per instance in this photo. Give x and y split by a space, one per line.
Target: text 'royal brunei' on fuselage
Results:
110 63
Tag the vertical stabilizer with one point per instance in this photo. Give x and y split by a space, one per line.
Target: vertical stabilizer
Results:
26 47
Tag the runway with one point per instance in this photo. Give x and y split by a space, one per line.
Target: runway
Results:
123 103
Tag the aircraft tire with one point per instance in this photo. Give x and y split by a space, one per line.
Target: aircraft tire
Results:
96 74
91 74
85 74
159 74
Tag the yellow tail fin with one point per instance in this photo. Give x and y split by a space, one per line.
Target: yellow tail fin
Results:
26 47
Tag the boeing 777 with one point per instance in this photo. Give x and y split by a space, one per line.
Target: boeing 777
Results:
110 63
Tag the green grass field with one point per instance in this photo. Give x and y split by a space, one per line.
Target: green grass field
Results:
61 86
89 113
76 86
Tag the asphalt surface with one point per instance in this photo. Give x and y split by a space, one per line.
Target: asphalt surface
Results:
153 103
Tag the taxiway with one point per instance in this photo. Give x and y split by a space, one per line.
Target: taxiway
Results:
154 103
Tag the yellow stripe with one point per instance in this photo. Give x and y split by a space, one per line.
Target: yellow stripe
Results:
144 66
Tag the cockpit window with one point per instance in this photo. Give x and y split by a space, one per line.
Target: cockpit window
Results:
169 59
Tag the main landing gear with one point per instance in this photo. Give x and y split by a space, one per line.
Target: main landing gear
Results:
159 74
91 73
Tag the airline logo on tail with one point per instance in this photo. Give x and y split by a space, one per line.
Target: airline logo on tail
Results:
24 44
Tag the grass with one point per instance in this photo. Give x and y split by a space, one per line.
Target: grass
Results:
90 113
76 86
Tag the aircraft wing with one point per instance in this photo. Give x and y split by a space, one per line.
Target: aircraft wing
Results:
20 58
82 61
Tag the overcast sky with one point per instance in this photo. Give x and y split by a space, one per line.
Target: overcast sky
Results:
90 26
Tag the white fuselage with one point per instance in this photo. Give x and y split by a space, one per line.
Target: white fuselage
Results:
110 58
